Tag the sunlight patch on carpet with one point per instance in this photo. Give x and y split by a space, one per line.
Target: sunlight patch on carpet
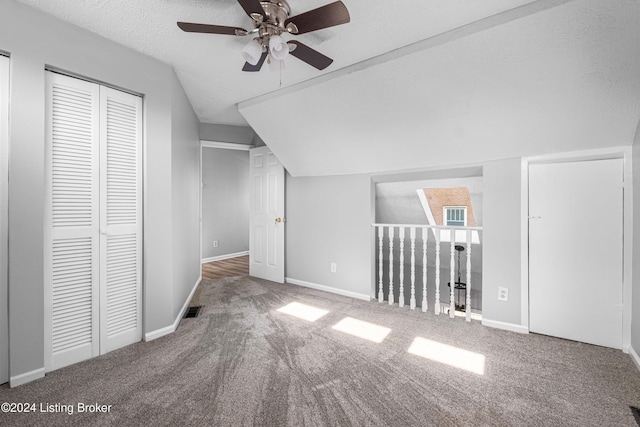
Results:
303 311
449 355
362 329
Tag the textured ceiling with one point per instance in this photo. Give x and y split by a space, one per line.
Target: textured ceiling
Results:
550 77
415 84
208 66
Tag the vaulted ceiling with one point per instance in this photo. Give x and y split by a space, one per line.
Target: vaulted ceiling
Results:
414 83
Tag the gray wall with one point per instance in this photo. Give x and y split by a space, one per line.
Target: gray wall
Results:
501 262
227 133
398 202
225 201
329 220
635 312
185 167
35 40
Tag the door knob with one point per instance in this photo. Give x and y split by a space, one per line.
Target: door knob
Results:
281 220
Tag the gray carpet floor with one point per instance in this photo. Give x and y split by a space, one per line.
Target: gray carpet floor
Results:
243 363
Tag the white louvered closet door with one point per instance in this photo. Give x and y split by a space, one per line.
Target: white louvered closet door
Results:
94 226
71 249
120 219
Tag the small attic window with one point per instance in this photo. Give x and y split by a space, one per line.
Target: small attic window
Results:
455 216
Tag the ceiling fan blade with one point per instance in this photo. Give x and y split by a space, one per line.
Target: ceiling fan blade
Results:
249 67
252 7
310 56
332 14
211 29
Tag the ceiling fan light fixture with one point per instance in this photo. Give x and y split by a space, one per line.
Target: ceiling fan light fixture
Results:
278 48
271 19
252 52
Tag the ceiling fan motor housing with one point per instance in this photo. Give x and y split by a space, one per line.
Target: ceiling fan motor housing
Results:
276 12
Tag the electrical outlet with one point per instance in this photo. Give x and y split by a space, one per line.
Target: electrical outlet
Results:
334 267
503 294
215 244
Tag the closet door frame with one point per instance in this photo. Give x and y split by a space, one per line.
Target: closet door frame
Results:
4 208
101 229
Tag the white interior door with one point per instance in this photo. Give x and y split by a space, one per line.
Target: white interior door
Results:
120 219
266 220
575 250
71 251
4 167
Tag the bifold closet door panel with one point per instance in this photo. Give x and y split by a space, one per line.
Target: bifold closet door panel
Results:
71 229
120 219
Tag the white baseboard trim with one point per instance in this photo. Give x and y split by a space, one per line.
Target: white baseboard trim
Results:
27 377
324 288
634 357
150 336
227 256
506 326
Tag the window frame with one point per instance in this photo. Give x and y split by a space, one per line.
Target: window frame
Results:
445 219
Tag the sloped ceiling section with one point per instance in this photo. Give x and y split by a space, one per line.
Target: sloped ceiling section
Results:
208 66
555 76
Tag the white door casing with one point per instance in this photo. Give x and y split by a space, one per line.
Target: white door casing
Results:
4 173
94 228
576 250
266 219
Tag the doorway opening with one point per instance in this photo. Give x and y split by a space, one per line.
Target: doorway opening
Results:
451 210
225 201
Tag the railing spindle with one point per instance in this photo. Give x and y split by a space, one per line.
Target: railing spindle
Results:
424 269
412 235
391 265
436 307
464 235
401 296
452 276
468 302
380 264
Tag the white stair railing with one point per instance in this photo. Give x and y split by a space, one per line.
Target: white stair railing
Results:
401 278
468 299
381 264
468 235
452 277
391 228
436 307
425 305
412 236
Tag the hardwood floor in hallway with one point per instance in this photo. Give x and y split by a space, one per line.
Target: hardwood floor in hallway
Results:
231 267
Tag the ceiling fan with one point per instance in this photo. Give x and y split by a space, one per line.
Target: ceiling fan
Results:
271 19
